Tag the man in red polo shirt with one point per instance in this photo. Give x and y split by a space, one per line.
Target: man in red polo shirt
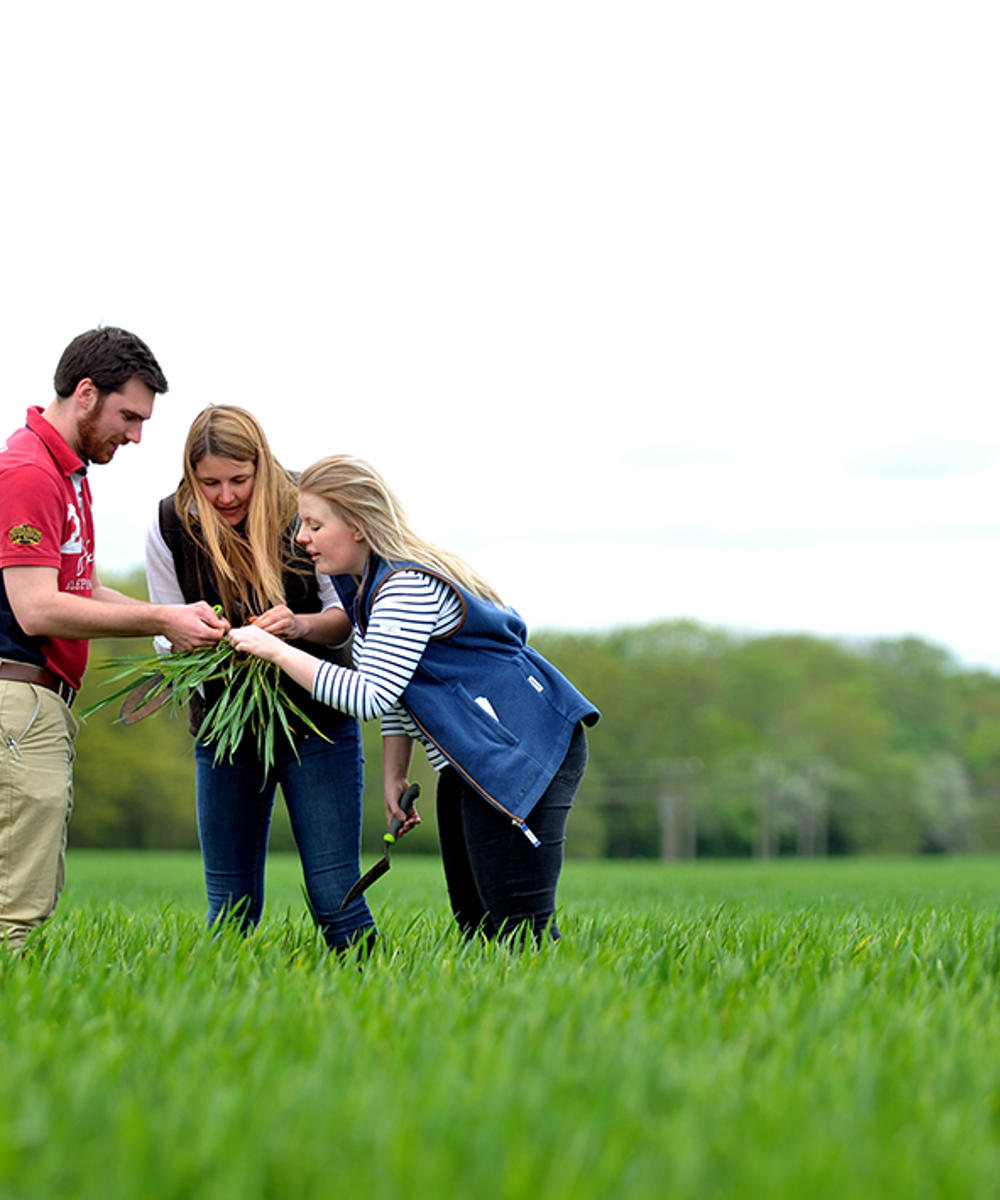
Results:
51 603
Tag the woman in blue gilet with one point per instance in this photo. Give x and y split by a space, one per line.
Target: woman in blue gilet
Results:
441 660
227 535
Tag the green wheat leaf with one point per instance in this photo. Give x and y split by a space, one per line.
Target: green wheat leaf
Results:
253 701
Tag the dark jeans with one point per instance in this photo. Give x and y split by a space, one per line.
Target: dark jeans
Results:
498 882
323 792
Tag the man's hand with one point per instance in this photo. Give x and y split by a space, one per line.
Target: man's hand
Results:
190 626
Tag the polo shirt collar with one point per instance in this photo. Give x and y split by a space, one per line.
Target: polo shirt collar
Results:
65 456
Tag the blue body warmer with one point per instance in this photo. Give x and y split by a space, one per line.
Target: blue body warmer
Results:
499 712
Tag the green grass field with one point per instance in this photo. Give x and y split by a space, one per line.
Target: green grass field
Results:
815 1030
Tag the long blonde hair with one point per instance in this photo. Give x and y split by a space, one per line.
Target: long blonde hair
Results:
363 501
247 565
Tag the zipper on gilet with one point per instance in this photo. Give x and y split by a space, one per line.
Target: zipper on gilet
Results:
518 821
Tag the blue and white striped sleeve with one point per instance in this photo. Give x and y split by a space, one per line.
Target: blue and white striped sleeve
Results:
404 617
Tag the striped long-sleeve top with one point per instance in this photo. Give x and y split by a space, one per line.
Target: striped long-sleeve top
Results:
408 611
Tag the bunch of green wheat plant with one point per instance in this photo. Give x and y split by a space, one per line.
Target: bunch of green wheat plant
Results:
253 697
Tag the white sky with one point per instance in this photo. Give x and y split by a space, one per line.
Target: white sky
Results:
649 309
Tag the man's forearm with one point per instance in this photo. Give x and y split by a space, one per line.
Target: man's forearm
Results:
43 611
110 596
66 615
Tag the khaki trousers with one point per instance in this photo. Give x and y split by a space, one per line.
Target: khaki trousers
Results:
37 733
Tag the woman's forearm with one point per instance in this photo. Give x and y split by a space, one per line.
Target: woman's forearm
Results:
397 750
331 627
299 665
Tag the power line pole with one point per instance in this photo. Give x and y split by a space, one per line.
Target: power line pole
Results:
675 808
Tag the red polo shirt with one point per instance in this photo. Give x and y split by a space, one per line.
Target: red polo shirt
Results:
45 521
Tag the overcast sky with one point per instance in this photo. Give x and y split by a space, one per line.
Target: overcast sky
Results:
649 309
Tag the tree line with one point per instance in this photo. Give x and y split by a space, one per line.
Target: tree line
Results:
711 743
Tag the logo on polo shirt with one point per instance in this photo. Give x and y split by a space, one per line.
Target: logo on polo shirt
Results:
74 534
24 535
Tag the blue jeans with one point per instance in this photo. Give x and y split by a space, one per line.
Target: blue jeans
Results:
498 882
323 792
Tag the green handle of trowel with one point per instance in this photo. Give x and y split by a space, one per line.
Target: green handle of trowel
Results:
405 803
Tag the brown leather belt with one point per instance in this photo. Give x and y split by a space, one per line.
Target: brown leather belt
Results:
25 673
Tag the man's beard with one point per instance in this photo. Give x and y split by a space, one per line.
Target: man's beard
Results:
93 449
